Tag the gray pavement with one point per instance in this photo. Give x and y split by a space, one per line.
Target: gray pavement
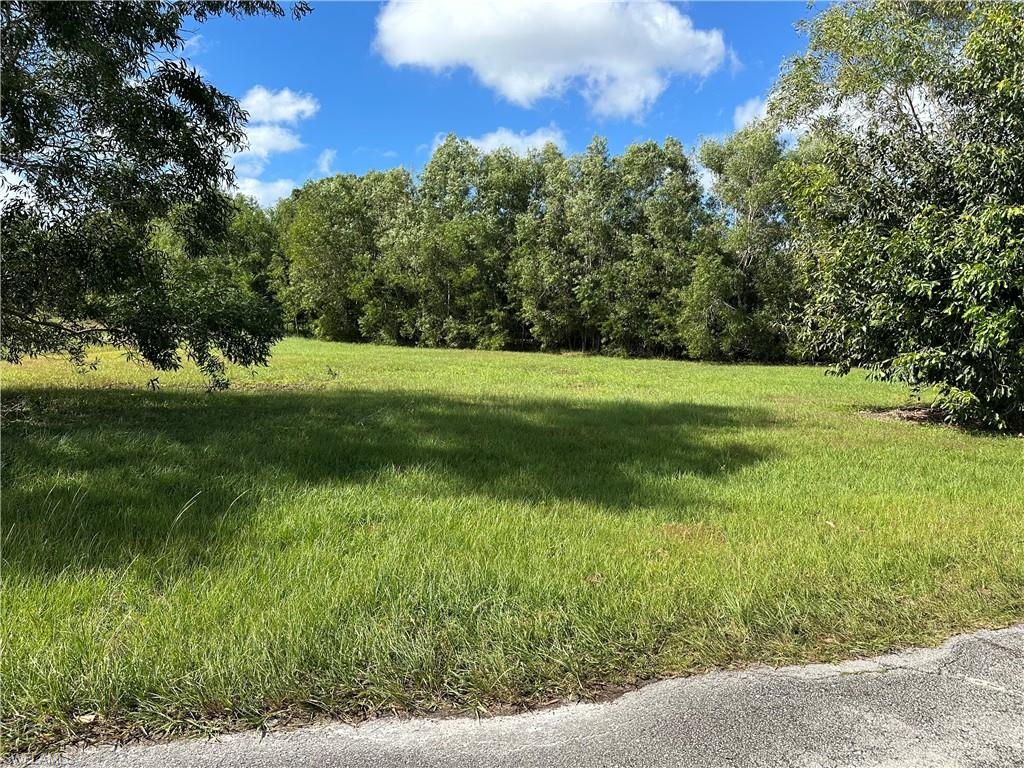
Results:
961 704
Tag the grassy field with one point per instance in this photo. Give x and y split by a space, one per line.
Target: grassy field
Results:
358 529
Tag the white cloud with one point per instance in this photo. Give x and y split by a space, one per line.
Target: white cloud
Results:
266 140
266 192
520 143
439 138
735 64
856 115
377 152
267 135
284 106
324 161
756 108
193 45
750 110
247 165
620 56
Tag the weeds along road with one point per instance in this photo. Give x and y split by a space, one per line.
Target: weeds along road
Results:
958 705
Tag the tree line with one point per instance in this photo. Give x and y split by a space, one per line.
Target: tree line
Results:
873 218
589 252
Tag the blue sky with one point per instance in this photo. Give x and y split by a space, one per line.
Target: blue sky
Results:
358 86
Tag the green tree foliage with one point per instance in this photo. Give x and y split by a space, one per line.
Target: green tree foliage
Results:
593 236
105 132
467 207
658 231
546 266
347 245
759 273
913 217
251 245
592 252
388 291
606 247
710 321
328 242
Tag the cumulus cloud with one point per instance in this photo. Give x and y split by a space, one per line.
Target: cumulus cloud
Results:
856 114
386 154
756 108
851 115
619 56
750 110
246 165
268 133
266 140
324 161
283 106
522 142
735 64
266 192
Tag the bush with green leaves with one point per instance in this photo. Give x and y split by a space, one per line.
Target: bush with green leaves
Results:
912 218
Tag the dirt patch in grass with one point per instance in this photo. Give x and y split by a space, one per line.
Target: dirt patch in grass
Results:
917 414
923 414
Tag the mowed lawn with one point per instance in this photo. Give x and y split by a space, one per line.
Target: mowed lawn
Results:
358 529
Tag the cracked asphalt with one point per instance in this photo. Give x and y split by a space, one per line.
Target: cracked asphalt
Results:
961 704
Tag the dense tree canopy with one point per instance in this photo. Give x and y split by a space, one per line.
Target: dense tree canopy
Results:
105 131
912 218
749 174
495 251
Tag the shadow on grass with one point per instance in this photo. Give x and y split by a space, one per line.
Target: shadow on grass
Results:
98 478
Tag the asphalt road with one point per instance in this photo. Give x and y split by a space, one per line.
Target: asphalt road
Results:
958 705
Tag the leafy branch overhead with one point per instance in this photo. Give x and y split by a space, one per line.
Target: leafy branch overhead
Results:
105 130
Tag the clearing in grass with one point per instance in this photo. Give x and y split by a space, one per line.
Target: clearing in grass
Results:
359 529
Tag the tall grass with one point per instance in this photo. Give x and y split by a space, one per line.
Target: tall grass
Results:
361 529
